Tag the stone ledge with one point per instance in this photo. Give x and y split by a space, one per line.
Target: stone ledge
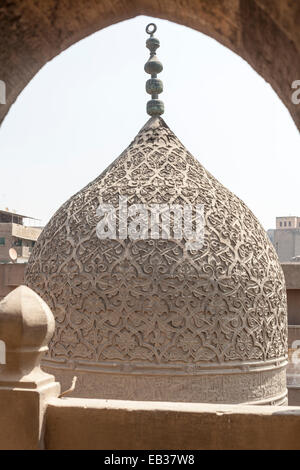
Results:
74 423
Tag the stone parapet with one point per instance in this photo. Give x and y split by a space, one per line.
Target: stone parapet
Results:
111 424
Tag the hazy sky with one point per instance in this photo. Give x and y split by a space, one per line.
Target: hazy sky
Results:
86 105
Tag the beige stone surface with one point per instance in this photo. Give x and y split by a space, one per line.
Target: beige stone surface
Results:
293 334
292 278
22 415
292 275
108 424
11 276
294 394
287 243
26 326
263 32
293 300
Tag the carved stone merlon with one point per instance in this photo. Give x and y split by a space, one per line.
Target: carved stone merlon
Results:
26 327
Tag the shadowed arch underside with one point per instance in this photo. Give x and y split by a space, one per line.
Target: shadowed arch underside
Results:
265 33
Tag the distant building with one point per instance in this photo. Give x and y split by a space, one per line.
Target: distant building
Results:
14 234
286 238
291 222
271 234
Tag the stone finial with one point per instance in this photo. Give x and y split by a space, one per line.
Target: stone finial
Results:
26 327
153 66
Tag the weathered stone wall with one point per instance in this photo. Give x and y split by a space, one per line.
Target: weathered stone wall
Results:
107 424
293 298
287 244
264 32
292 278
11 276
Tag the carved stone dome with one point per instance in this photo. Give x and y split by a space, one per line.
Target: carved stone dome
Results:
148 319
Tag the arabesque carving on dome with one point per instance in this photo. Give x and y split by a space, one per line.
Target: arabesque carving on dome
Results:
152 301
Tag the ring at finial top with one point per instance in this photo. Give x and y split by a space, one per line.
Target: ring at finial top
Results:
152 30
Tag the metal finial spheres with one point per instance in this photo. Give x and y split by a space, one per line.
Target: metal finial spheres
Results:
153 66
151 28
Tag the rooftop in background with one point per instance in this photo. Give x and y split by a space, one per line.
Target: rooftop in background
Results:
17 235
7 216
288 222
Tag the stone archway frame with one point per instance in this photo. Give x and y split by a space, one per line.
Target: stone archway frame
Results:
265 33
